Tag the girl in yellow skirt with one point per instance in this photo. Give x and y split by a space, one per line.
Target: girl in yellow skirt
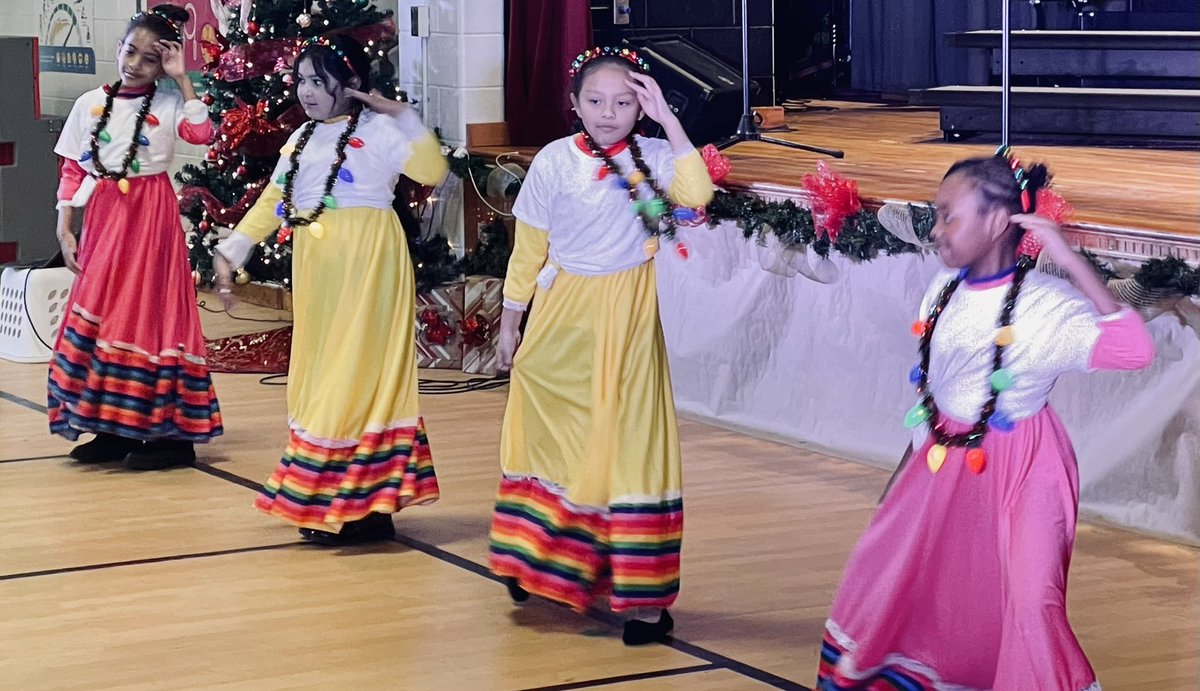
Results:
590 502
357 451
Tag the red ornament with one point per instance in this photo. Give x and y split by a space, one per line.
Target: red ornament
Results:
211 156
204 226
207 99
251 27
241 171
151 120
355 142
834 199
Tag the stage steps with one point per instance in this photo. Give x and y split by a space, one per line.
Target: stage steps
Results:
1166 114
1096 85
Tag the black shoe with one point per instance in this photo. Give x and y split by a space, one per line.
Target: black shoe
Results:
638 632
105 448
161 454
374 528
515 591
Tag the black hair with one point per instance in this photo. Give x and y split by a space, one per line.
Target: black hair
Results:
595 64
994 179
330 66
164 21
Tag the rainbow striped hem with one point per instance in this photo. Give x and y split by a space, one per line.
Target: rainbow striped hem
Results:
323 483
572 554
118 389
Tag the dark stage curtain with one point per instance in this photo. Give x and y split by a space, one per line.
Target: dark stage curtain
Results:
543 37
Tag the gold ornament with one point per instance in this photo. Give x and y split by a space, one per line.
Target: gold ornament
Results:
242 278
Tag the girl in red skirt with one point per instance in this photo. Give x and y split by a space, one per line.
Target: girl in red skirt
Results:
129 362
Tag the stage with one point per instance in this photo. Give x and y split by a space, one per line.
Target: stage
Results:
1130 203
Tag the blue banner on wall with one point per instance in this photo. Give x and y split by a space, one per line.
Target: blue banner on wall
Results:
73 59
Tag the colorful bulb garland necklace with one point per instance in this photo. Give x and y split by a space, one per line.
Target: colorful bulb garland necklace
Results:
286 208
652 211
100 134
999 380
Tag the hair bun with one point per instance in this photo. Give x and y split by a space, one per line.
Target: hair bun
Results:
1038 176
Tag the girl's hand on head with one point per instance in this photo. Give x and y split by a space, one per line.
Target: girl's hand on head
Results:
409 121
376 102
650 98
1046 231
171 54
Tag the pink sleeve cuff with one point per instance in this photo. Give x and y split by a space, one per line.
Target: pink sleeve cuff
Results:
1124 343
70 178
197 133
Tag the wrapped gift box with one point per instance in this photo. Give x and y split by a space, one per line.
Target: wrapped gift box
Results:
439 313
480 325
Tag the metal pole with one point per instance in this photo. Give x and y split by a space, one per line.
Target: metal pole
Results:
1005 76
747 121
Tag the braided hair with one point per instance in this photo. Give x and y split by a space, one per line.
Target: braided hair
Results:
993 177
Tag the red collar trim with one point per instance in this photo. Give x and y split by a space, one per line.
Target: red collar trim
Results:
610 151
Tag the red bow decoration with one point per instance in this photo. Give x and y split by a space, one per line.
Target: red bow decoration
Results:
717 163
834 199
249 129
1052 205
476 332
225 215
434 328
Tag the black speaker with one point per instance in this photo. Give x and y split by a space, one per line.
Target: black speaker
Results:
704 91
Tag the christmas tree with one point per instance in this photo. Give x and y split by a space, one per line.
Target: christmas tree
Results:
247 87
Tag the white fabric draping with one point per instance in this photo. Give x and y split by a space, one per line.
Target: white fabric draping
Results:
826 365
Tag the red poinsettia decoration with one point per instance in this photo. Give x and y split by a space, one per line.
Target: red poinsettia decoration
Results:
834 199
717 163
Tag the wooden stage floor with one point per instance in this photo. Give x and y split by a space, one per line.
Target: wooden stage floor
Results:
113 579
897 153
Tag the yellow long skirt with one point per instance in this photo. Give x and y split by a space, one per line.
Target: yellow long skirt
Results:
591 501
357 442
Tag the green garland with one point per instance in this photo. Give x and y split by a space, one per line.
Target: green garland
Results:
863 238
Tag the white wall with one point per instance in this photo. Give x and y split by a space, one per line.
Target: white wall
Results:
466 63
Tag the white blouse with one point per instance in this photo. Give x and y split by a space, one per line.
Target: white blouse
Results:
593 227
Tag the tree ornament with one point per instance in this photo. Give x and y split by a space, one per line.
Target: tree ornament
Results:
304 20
252 27
242 277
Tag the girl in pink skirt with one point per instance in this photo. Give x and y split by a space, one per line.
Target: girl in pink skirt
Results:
960 580
129 363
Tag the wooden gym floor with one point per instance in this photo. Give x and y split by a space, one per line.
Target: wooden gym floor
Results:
121 580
